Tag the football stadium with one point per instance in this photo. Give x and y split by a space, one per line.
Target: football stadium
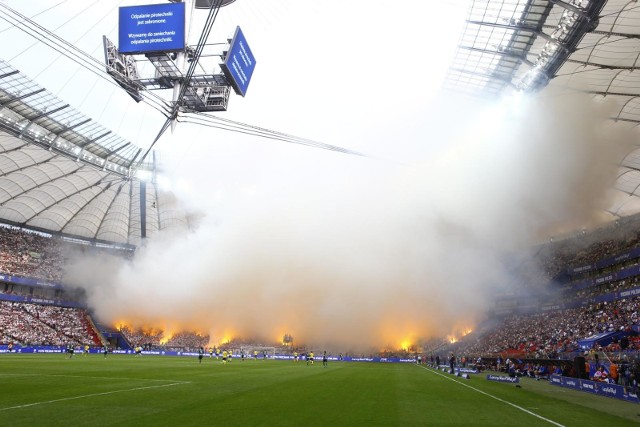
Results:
320 212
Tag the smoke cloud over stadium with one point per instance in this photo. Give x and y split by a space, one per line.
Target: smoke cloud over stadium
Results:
356 253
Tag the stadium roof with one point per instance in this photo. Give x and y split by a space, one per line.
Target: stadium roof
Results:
592 46
61 171
34 114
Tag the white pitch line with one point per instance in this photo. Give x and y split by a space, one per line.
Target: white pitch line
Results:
88 395
496 398
90 377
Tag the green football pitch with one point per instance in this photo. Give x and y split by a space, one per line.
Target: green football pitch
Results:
50 389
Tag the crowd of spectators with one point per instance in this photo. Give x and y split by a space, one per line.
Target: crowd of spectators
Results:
553 259
549 329
145 337
35 324
188 340
542 334
586 248
30 254
153 338
548 334
606 288
39 255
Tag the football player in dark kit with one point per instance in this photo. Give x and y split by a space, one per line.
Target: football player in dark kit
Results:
325 361
200 354
70 350
452 362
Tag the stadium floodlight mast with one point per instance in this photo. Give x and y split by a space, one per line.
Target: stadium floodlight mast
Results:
159 33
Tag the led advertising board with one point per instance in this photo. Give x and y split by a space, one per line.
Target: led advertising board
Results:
239 63
151 28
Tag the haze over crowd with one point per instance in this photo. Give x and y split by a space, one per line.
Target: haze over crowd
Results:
356 253
336 250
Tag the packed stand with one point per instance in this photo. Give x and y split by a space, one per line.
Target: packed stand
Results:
548 334
152 338
145 337
189 340
38 255
588 248
34 324
30 254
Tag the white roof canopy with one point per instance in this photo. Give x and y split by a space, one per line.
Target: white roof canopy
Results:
62 172
581 45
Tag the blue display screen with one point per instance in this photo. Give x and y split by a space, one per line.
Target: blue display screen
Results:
151 28
239 63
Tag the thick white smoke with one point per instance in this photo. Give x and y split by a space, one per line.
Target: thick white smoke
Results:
353 253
